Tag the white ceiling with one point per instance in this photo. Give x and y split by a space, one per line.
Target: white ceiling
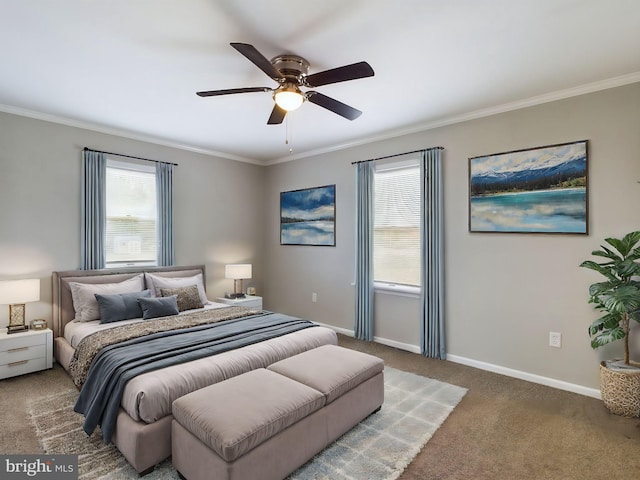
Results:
132 67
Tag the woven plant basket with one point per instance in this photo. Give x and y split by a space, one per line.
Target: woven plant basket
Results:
621 390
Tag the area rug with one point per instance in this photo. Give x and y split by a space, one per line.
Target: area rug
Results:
379 448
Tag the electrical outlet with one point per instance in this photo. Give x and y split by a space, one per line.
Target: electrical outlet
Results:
555 339
314 297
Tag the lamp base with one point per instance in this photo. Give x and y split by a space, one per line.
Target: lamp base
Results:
236 295
16 329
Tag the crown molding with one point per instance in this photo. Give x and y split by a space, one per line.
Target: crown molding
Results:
485 112
47 117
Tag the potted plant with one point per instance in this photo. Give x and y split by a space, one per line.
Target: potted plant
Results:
618 297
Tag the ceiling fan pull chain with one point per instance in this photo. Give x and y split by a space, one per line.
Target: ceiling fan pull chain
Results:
287 138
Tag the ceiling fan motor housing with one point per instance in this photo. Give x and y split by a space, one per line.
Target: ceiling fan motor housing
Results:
292 67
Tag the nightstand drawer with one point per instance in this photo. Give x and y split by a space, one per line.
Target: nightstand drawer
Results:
23 366
21 340
18 354
25 352
252 303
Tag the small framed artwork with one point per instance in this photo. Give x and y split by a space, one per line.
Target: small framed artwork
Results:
308 216
537 190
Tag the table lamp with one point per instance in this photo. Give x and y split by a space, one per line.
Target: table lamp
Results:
237 272
16 293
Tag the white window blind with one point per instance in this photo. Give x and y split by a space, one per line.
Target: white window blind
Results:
131 237
396 237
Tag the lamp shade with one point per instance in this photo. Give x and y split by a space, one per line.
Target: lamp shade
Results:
238 271
19 291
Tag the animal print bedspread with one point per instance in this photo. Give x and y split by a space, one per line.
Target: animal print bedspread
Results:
91 345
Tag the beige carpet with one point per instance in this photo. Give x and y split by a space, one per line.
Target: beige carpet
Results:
379 448
509 429
503 429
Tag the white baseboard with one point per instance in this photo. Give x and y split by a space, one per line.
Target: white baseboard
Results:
402 346
343 331
529 377
384 341
509 372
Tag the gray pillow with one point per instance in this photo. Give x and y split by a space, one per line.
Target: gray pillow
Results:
120 306
188 297
159 306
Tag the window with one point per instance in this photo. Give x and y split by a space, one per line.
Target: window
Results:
132 214
396 236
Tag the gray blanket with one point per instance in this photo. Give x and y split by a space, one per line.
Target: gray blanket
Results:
115 365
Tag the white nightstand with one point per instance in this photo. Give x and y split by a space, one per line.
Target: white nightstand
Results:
250 301
25 352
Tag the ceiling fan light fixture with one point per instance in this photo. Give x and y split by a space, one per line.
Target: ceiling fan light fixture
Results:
288 98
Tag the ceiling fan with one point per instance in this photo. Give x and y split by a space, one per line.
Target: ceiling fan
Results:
291 73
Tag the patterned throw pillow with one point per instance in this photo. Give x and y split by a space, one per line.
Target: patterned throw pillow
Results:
188 297
156 282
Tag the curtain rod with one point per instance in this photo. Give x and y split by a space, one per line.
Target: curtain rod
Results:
396 155
87 149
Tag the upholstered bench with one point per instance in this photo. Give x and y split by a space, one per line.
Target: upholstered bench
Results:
268 422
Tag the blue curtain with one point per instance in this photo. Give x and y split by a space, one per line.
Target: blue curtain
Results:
94 215
432 328
164 189
364 251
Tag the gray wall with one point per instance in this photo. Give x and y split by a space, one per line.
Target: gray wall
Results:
217 202
504 292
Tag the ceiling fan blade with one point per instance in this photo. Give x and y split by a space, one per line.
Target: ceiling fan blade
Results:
257 59
277 115
230 91
340 74
334 105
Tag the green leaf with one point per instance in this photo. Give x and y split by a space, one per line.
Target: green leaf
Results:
596 326
590 264
607 337
617 244
627 269
606 322
626 244
602 288
631 239
605 252
635 255
622 299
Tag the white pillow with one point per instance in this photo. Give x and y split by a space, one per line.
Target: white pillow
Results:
155 283
84 295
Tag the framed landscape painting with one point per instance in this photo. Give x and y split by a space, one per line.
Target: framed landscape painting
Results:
308 216
538 190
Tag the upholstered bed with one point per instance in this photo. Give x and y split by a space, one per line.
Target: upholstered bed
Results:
142 426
